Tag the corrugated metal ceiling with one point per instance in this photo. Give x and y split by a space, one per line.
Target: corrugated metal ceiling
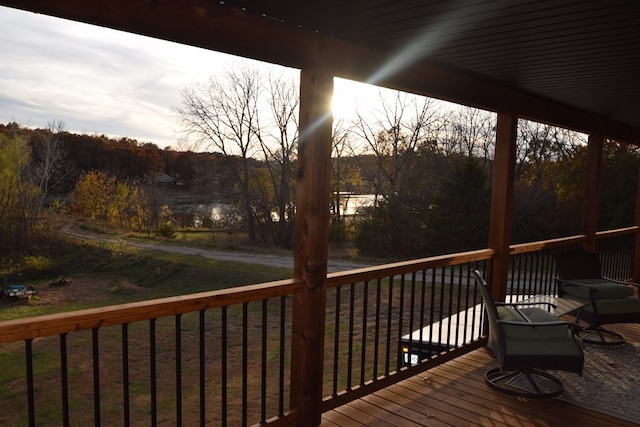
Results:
585 54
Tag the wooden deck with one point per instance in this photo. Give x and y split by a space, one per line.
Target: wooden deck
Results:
454 394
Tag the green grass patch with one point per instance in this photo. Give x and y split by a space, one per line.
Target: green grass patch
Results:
126 269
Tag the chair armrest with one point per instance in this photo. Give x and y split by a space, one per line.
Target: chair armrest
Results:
623 282
531 304
537 324
590 289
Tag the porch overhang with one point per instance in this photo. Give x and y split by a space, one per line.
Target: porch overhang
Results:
570 63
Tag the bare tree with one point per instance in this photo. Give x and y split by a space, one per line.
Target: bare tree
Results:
50 163
393 134
471 132
279 143
222 115
538 143
341 177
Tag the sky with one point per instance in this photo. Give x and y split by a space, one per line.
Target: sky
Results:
100 81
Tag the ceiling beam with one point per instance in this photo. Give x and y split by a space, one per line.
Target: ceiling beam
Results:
211 25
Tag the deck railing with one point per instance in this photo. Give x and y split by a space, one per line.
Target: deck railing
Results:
388 322
223 357
214 358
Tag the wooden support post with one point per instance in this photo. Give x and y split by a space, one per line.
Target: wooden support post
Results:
311 244
635 274
592 185
502 202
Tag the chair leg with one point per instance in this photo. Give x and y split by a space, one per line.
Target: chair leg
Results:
600 336
529 383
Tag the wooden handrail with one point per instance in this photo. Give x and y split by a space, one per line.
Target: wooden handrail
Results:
564 241
545 244
617 232
385 270
59 323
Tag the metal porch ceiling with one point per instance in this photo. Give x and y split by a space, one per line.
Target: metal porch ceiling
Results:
585 54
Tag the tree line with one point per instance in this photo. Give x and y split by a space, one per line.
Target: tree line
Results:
426 165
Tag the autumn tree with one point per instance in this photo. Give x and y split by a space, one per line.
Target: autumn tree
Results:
20 196
93 195
132 204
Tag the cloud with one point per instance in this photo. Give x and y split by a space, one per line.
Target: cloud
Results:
94 79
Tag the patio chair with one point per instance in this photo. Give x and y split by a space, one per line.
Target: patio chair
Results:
607 300
526 341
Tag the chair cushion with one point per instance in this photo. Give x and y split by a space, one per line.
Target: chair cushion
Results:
616 306
566 346
528 333
604 289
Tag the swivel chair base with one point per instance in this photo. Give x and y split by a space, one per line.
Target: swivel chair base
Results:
600 336
529 383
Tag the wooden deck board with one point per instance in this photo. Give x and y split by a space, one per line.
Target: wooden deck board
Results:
455 394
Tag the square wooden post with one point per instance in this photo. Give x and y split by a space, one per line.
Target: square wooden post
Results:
502 202
311 244
593 173
635 274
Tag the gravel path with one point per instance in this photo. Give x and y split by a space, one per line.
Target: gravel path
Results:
249 258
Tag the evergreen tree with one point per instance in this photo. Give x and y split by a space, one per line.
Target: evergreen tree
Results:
458 219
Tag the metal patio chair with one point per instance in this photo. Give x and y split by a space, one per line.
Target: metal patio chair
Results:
607 300
526 341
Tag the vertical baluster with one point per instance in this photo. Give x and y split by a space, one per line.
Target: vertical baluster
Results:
376 342
202 366
363 340
64 379
178 339
423 298
263 385
432 310
412 303
152 372
450 310
401 315
441 313
245 357
28 351
336 341
350 342
387 367
223 362
96 377
459 306
126 412
283 318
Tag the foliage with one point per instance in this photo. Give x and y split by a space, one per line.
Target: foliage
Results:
20 197
621 163
245 117
393 229
128 204
458 219
167 230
